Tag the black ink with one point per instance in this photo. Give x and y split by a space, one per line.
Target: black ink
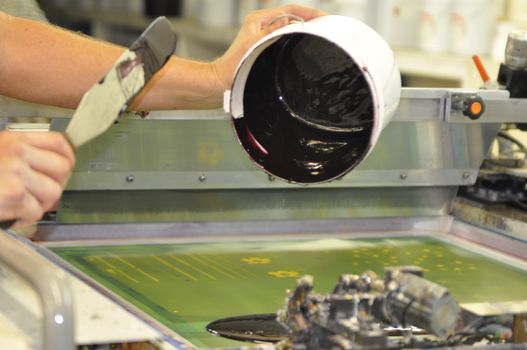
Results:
308 105
252 328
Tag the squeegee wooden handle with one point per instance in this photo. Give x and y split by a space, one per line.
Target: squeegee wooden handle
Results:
4 225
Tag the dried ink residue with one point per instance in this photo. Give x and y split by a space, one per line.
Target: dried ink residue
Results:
308 105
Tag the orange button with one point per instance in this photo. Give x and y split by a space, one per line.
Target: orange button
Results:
476 108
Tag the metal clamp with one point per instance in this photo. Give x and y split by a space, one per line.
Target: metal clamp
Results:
51 285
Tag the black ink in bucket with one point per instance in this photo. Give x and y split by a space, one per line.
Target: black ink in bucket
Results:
308 110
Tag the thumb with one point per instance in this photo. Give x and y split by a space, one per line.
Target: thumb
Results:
279 22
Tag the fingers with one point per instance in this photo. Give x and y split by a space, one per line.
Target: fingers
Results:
23 184
16 202
266 17
275 24
306 13
48 153
51 141
43 188
30 210
256 25
54 165
34 168
265 22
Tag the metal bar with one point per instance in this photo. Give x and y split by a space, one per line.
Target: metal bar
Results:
55 235
492 240
513 110
484 216
236 179
416 105
423 104
52 287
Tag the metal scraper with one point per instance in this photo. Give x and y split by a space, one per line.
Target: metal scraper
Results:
102 104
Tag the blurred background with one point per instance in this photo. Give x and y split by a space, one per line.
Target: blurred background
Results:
433 39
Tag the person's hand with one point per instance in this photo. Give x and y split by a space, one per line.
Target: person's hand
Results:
256 25
34 168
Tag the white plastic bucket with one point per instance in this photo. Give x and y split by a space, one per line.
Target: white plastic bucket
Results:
435 26
309 101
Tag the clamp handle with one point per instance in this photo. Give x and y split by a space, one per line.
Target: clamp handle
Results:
473 107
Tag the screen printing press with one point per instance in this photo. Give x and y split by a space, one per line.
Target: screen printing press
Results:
166 227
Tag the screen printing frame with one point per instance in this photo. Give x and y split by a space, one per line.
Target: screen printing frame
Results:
444 229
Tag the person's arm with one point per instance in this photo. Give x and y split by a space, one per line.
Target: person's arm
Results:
49 65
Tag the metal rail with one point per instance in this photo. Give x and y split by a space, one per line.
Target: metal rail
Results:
415 105
426 104
51 285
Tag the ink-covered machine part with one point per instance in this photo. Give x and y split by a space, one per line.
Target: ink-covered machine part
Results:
499 193
403 310
362 307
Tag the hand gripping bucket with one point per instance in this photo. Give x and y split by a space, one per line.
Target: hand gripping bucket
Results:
309 101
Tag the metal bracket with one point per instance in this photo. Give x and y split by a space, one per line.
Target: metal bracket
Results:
448 105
